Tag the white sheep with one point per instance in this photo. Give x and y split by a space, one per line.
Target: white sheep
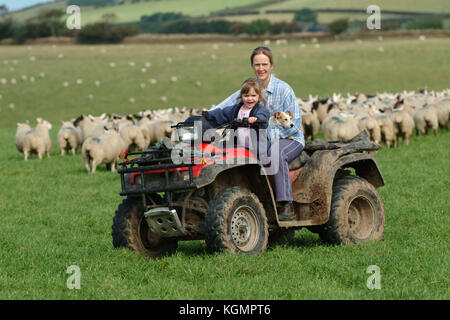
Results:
22 129
310 123
158 129
425 119
341 126
321 106
38 140
386 130
442 110
134 136
371 125
88 127
69 137
403 125
104 149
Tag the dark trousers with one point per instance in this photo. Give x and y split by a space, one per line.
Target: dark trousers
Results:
285 150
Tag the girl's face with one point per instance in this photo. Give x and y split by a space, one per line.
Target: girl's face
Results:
250 98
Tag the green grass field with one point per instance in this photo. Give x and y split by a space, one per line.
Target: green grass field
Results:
54 215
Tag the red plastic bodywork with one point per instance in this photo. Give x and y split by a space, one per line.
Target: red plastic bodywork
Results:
205 159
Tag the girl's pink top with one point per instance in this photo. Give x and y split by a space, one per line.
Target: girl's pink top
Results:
243 134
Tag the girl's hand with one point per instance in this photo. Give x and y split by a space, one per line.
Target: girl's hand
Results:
251 120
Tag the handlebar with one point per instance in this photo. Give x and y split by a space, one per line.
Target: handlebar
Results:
233 124
241 123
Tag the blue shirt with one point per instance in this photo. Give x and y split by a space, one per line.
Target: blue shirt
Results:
279 97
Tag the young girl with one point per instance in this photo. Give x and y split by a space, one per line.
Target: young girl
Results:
250 104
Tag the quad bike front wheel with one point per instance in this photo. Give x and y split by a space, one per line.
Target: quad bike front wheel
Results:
130 230
357 213
236 222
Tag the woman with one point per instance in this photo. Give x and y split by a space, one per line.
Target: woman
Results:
286 144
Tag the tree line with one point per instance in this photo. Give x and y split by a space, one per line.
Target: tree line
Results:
51 23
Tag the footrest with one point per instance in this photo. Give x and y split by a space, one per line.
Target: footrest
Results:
164 222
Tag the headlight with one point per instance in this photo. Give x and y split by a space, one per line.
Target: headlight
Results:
187 134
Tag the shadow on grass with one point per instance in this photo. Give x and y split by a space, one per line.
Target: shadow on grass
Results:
302 239
196 248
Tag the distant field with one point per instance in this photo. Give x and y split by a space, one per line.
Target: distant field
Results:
432 6
322 17
133 12
403 65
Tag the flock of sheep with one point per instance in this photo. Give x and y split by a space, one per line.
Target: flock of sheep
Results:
101 138
386 117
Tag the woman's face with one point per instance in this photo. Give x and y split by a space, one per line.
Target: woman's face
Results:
262 67
250 98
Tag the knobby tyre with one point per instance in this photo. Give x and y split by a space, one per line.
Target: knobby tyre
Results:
236 222
130 230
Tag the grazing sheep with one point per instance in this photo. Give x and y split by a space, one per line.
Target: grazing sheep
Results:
69 137
103 149
386 130
425 119
342 126
22 129
442 110
371 125
133 137
158 129
321 106
403 125
405 105
310 123
38 140
88 127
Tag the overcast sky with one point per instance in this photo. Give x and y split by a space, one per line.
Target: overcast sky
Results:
19 4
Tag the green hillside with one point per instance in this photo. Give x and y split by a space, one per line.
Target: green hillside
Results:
27 13
194 8
431 6
197 8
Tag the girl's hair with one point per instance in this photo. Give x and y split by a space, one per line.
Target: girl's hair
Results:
255 84
261 50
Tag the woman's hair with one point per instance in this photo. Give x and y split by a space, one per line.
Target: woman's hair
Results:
262 50
255 84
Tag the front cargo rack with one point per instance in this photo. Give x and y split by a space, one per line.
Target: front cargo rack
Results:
153 161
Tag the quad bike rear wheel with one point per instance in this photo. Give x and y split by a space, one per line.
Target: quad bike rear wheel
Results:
236 222
357 213
130 230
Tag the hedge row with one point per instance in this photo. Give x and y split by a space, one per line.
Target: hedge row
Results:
176 23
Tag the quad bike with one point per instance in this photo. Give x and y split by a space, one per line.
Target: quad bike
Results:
231 205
